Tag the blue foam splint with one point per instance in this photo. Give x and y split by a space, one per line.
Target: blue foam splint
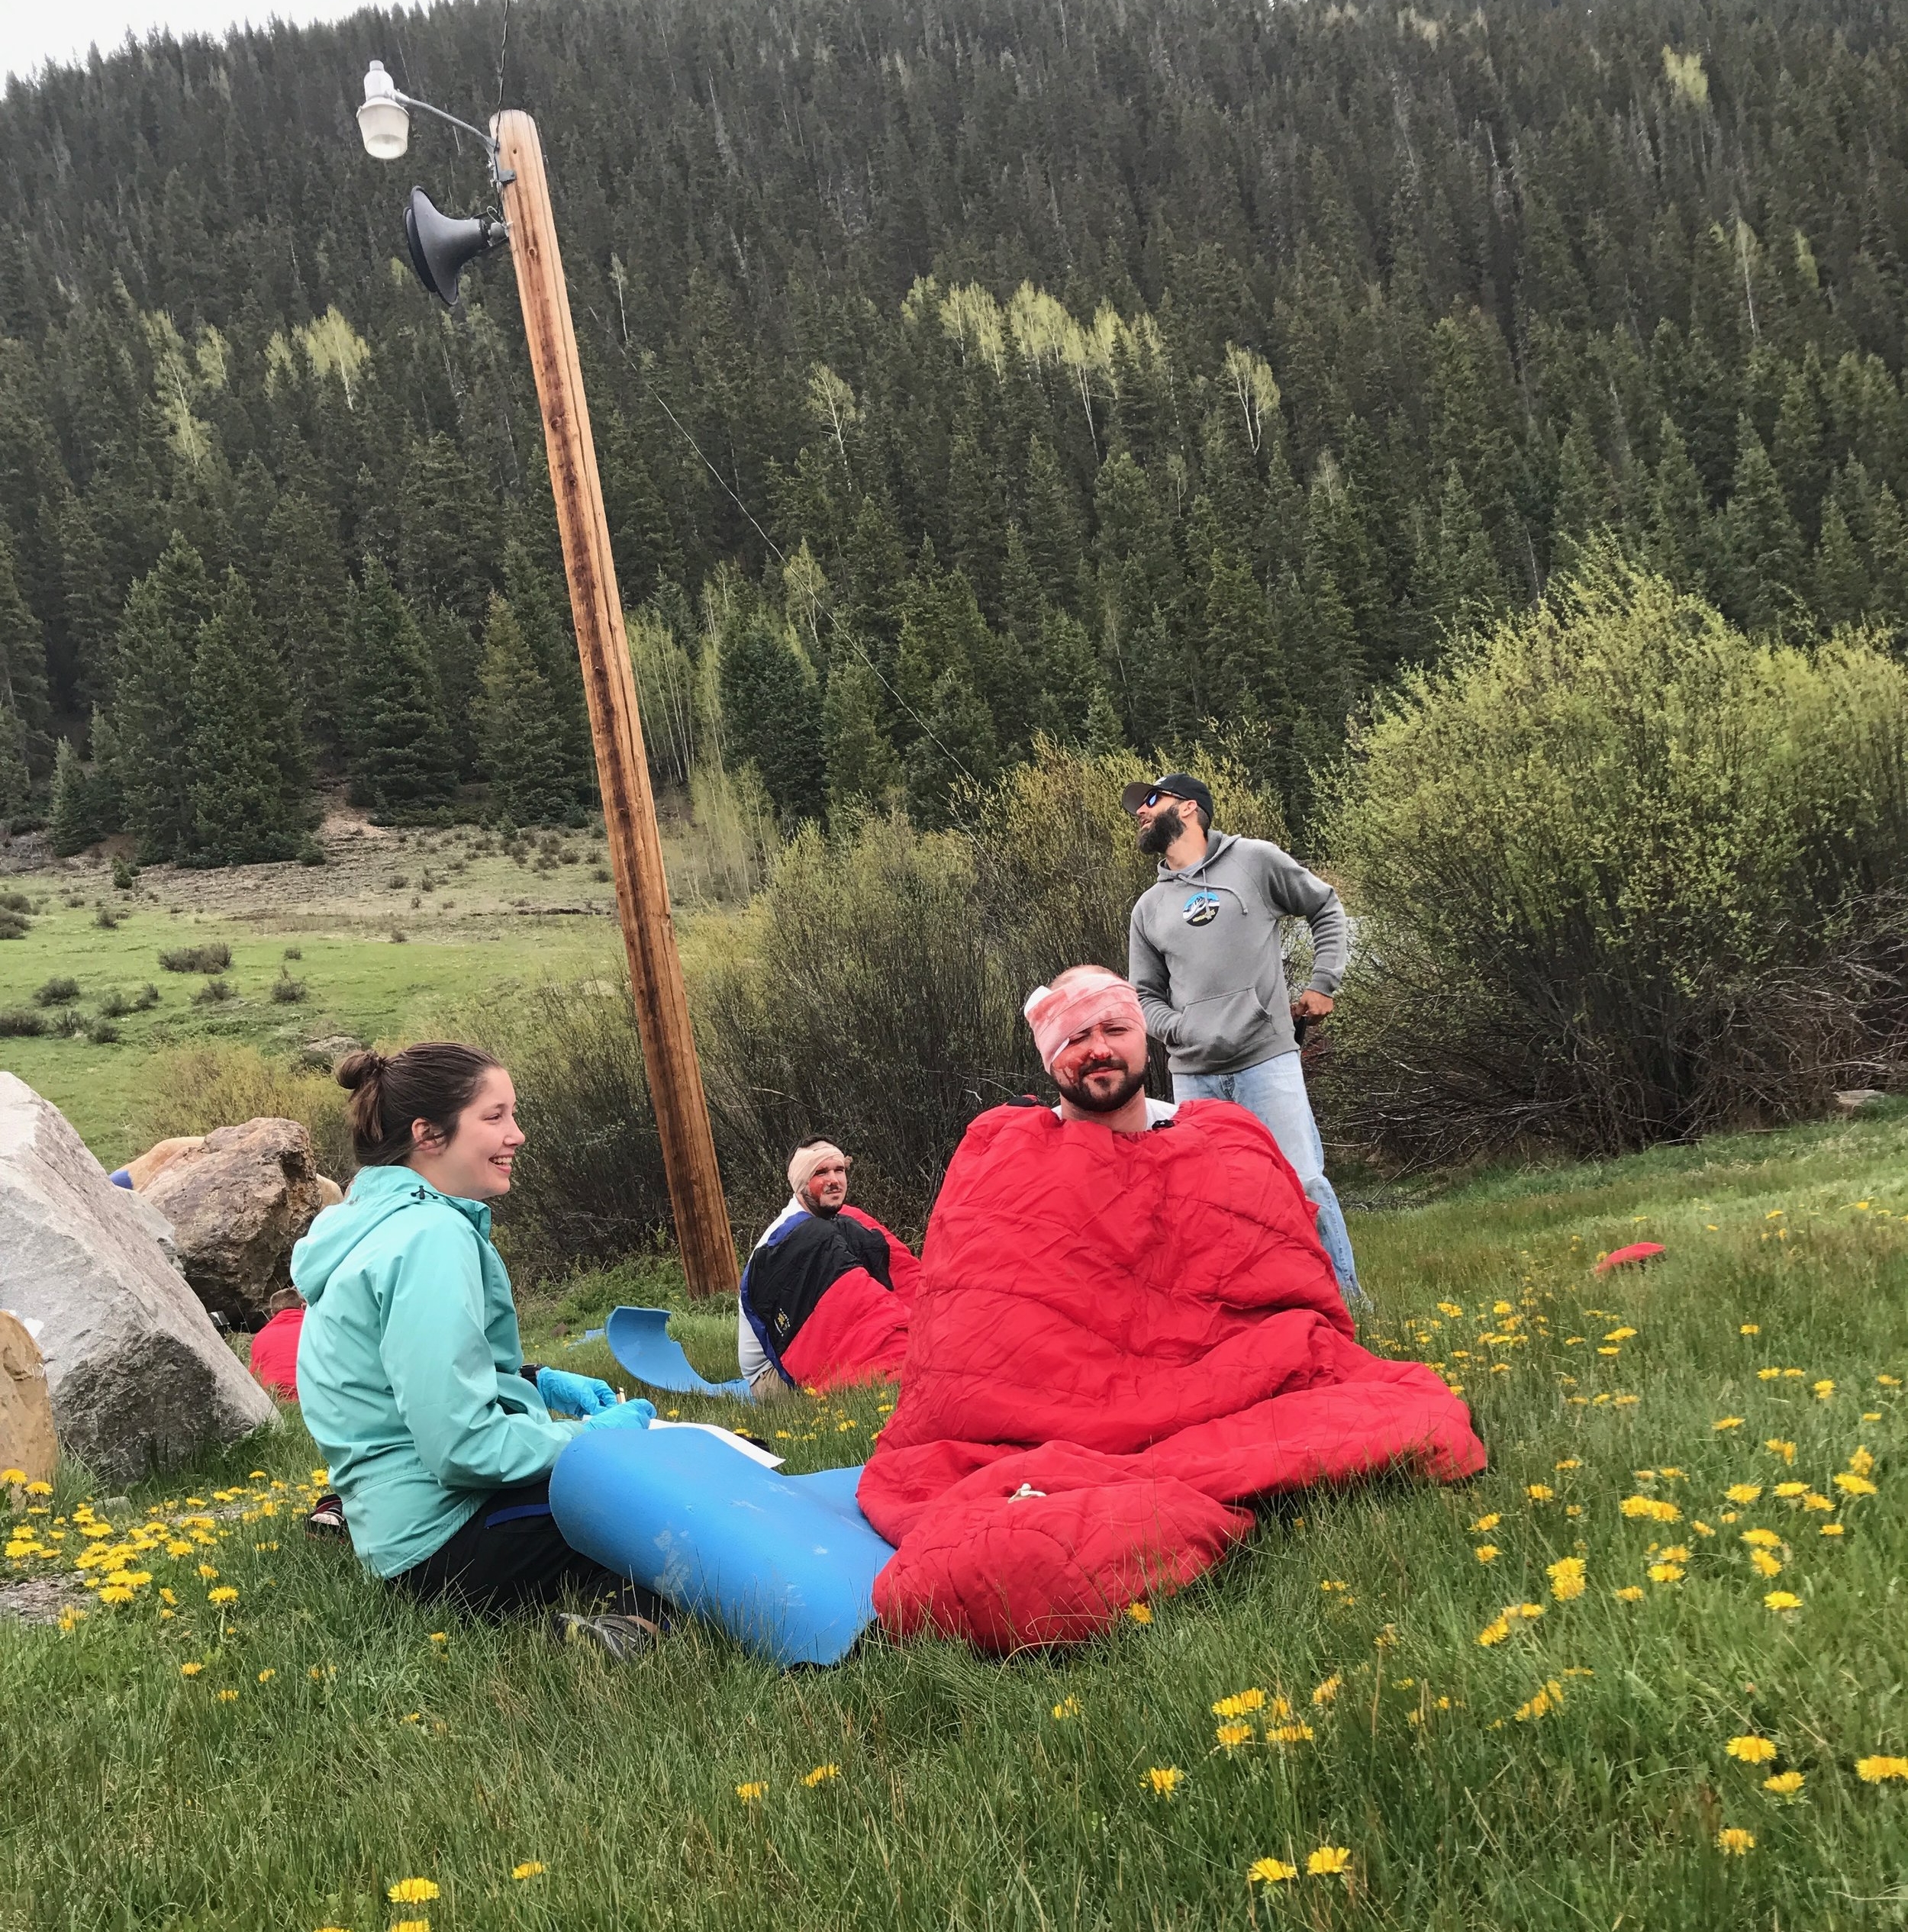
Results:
639 1339
784 1564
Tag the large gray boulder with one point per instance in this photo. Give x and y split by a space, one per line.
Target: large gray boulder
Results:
139 1377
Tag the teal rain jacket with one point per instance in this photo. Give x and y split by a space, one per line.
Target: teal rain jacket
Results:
408 1365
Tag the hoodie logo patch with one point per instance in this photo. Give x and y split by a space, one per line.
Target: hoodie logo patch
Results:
1201 909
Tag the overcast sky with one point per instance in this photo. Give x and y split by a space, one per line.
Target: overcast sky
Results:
34 31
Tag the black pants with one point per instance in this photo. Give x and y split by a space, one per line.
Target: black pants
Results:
511 1556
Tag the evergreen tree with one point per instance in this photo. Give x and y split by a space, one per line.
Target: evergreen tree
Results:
1455 583
772 717
245 760
304 599
1055 545
88 605
642 539
72 821
1768 565
154 653
16 783
552 643
1586 502
446 523
1678 544
108 803
23 669
457 656
955 749
520 733
400 756
1840 579
1070 679
1246 672
863 768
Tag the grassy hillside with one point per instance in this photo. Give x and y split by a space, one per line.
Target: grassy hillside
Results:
1479 1768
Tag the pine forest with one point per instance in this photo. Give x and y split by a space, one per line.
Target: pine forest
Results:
1142 374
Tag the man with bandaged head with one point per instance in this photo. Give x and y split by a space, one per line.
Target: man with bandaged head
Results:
1091 1035
826 1295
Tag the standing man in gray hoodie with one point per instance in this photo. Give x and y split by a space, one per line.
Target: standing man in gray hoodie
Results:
1203 950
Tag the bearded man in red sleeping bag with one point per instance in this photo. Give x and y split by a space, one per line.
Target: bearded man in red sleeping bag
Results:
1126 1327
825 1299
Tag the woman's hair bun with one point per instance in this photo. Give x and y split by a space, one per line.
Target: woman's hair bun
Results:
355 1069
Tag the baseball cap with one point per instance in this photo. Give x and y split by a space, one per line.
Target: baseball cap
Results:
1175 784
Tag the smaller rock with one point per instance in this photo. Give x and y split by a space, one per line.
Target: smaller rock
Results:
328 1051
26 1439
1854 1099
239 1204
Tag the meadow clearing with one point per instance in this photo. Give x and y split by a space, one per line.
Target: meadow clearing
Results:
1646 1670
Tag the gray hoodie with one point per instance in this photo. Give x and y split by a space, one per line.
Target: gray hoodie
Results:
1204 950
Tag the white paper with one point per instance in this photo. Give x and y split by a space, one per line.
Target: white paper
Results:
751 1450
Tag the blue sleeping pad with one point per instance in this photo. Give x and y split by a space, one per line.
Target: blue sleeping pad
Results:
639 1339
785 1564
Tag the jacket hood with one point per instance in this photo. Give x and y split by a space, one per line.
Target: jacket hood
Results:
1216 843
377 1195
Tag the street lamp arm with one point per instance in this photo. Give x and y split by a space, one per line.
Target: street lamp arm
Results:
502 175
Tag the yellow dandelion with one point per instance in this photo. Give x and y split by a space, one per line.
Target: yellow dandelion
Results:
1862 1462
1328 1861
1852 1485
115 1593
1231 1735
1485 1523
1566 1579
1240 1704
1751 1749
1139 1613
531 1869
1067 1706
207 1571
1779 1445
228 1696
749 1793
1540 1492
190 1669
266 1676
1328 1690
1165 1779
1782 1600
1733 1840
440 1636
411 1925
1270 1871
820 1774
1727 1422
1879 1770
1788 1490
1784 1784
1823 1390
412 1891
1665 1572
1289 1733
1764 1564
1629 1593
1486 1553
224 1594
1830 1529
1743 1492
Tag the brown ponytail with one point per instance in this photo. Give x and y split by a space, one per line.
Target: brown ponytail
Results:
434 1080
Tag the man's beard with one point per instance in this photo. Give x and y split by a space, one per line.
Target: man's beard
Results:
1157 838
1090 1102
816 1207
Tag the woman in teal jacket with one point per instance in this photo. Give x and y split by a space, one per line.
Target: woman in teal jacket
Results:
439 1436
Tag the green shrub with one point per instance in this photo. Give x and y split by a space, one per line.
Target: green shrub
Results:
15 902
286 991
22 1023
124 873
191 1091
103 1032
106 919
214 992
145 998
14 926
60 991
196 959
115 1005
1622 875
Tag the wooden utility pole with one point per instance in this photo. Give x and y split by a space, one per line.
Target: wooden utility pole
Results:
629 809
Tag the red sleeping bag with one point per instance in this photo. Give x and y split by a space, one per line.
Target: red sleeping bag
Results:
274 1352
1118 1338
859 1329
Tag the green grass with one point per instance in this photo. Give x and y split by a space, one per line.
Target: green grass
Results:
131 1796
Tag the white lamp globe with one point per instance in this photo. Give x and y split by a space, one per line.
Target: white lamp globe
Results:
383 119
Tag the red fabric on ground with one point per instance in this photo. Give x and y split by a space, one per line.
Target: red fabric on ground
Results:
859 1329
1144 1327
274 1352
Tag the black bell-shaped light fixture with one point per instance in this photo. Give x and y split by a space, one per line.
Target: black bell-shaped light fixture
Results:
441 245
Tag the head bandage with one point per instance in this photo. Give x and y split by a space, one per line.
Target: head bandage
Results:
804 1160
1057 1013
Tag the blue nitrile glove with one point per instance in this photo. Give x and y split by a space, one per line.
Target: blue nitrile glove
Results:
624 1416
573 1395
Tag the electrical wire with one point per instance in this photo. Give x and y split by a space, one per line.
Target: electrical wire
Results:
836 628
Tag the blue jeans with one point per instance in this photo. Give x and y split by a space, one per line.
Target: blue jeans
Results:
1275 1089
